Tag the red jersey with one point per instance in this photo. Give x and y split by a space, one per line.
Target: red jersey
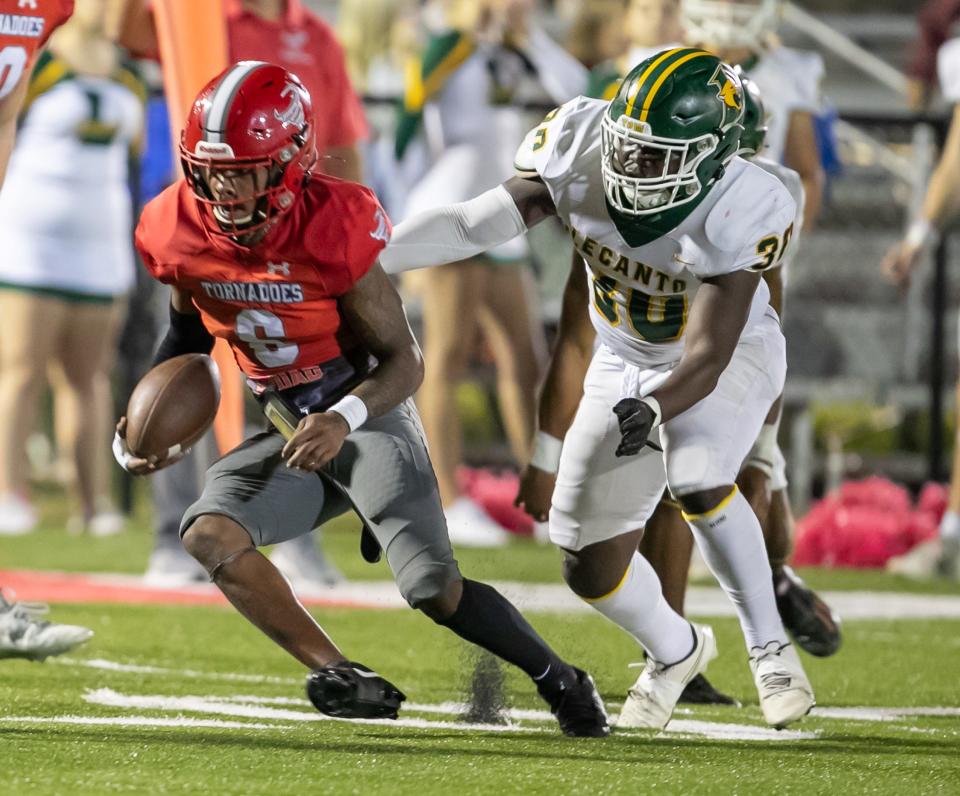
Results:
276 303
25 26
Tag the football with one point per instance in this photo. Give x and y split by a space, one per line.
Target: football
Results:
173 405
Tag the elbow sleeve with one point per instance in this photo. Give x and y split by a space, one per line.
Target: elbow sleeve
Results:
186 335
449 234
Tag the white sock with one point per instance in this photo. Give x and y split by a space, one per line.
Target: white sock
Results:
731 542
950 525
637 605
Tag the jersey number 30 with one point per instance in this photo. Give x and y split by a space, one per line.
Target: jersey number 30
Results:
656 319
263 332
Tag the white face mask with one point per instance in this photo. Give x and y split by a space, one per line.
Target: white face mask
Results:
645 174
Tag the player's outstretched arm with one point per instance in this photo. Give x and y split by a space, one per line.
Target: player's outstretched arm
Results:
561 394
463 230
939 205
717 318
373 311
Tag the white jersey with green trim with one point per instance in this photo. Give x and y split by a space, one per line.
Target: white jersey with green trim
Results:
65 209
641 295
789 81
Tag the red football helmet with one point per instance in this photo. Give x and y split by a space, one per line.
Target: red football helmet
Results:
248 147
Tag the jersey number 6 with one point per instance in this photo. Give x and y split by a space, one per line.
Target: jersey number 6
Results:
263 332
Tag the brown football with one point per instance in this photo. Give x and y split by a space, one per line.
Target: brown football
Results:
174 404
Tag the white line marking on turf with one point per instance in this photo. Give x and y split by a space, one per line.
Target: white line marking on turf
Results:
240 706
112 666
143 721
880 714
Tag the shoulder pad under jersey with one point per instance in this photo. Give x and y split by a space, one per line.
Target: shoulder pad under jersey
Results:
755 206
558 128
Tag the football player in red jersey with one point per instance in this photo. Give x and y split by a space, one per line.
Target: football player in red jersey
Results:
281 262
25 26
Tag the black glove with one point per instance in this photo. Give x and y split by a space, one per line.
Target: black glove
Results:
350 690
636 420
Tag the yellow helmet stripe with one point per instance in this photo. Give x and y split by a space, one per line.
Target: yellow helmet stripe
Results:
631 100
663 76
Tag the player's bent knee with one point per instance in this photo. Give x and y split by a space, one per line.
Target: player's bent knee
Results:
431 587
706 500
212 537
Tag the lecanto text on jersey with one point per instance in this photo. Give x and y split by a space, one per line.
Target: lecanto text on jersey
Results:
603 258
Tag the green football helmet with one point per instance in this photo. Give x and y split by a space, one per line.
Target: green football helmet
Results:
754 119
666 136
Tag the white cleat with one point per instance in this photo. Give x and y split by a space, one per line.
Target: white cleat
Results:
468 525
785 692
651 700
23 635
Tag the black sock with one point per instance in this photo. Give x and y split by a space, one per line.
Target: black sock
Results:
486 618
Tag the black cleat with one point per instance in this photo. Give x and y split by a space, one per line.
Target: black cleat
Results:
350 690
578 707
699 691
814 626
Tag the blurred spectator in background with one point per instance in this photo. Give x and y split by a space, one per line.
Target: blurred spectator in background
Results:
935 19
597 34
939 556
743 32
648 26
65 222
283 32
459 97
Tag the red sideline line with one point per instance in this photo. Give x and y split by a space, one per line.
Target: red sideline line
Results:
71 587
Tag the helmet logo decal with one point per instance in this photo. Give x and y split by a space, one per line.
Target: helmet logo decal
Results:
206 149
727 91
292 115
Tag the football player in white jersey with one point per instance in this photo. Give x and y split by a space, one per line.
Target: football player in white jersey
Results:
671 232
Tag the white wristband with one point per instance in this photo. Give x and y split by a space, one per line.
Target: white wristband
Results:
352 409
120 451
920 234
546 452
654 404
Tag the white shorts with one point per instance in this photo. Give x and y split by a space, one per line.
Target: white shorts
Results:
599 496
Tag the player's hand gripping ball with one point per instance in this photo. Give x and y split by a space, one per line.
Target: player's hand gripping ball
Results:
636 420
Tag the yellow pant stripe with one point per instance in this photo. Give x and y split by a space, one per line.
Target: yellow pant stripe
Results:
715 510
612 591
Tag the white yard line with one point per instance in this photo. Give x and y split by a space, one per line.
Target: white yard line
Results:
247 707
881 714
142 721
113 666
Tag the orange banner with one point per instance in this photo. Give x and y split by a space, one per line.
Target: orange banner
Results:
192 35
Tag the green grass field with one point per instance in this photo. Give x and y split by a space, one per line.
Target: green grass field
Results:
191 699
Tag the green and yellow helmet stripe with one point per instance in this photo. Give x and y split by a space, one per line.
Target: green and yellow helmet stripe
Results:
648 100
669 61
